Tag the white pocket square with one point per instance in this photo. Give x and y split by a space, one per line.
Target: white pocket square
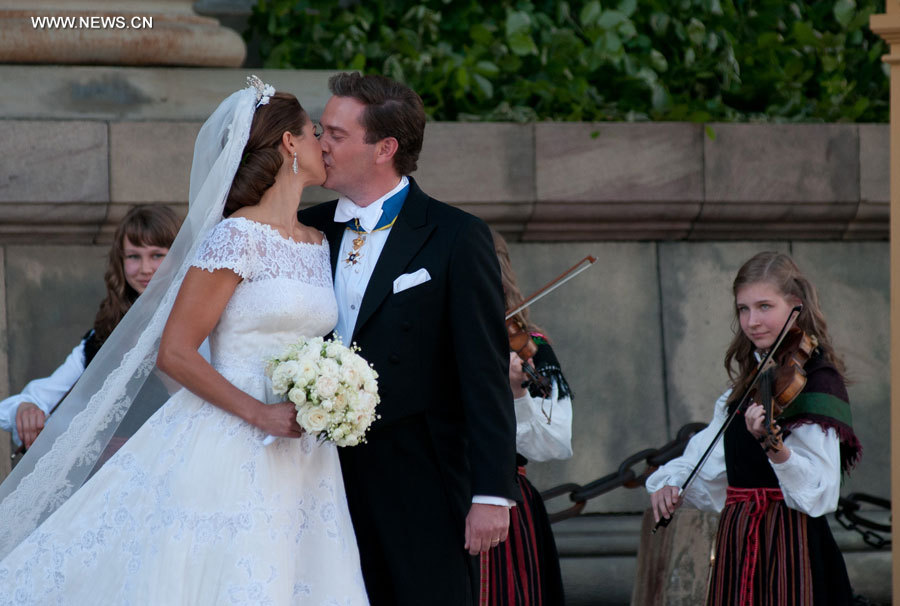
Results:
406 281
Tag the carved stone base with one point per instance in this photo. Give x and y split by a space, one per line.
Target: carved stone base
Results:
5 438
673 564
124 33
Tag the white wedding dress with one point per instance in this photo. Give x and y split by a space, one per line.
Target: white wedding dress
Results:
193 509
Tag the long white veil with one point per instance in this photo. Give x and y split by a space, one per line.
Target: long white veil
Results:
76 435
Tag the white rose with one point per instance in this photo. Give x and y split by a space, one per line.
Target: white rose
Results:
302 411
306 371
348 441
367 402
281 380
297 395
291 366
371 386
330 368
334 350
356 401
361 366
341 400
350 376
313 419
326 386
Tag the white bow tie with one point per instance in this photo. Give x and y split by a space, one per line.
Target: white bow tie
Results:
368 216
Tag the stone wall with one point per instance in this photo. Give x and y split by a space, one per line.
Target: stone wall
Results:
669 210
128 133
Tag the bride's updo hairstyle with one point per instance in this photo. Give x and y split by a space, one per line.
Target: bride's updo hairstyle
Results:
262 160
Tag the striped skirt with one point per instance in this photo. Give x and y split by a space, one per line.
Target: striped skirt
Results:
768 554
524 569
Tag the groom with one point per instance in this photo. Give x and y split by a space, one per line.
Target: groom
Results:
418 289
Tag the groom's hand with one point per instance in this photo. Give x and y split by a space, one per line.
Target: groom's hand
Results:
486 526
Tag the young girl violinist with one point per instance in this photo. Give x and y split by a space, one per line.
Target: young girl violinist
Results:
773 486
524 569
140 243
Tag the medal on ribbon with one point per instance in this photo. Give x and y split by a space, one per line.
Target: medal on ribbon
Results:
354 255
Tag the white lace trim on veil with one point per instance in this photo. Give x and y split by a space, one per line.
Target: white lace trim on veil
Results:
76 435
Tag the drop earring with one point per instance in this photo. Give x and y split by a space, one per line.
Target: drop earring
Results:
294 166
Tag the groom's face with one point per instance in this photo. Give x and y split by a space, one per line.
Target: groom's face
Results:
348 158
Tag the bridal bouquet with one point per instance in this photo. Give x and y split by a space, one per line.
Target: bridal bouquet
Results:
334 390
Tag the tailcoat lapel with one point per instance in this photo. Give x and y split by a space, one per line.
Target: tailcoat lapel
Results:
335 233
407 236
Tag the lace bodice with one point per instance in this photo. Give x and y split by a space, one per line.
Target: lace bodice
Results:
285 292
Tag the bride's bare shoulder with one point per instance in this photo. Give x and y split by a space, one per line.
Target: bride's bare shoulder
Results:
305 233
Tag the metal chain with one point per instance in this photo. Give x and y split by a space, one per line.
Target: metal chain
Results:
653 458
848 517
624 476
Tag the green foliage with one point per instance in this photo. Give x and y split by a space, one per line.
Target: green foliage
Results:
587 60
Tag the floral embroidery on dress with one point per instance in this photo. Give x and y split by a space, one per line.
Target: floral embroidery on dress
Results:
193 497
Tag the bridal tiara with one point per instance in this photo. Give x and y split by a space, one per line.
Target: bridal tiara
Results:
263 91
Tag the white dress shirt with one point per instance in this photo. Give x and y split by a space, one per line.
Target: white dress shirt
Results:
810 479
44 393
350 280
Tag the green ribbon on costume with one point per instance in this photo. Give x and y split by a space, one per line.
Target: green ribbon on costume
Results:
821 404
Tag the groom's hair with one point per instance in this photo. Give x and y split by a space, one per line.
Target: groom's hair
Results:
392 110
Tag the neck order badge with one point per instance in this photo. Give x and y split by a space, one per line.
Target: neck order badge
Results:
389 211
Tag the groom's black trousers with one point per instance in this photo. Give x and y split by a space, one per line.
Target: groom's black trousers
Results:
408 534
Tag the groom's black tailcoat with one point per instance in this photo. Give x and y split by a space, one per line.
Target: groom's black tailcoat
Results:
447 426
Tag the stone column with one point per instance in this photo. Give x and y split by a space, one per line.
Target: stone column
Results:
115 32
887 26
5 438
673 565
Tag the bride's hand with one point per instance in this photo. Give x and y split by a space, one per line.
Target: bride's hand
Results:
279 420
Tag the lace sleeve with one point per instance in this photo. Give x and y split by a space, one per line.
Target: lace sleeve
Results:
228 246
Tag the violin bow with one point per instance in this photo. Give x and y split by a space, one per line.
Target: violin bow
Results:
554 284
760 367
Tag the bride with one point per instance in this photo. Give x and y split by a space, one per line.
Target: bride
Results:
194 509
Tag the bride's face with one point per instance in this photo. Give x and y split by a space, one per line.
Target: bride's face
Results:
309 156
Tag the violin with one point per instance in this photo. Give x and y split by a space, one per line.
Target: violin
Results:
521 342
524 346
782 381
779 377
